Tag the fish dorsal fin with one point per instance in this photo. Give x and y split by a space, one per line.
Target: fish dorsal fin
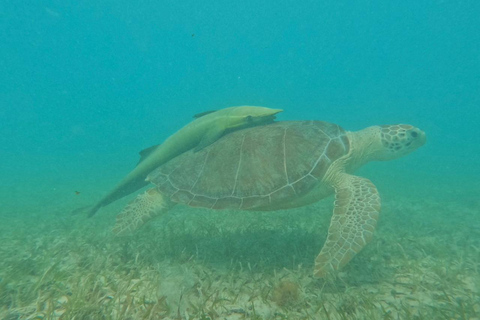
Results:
146 152
201 114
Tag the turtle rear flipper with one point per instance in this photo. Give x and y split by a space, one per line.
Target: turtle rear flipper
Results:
357 205
142 209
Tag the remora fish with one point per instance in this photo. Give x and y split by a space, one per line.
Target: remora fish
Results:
204 130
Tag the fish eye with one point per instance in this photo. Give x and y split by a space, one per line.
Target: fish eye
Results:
414 134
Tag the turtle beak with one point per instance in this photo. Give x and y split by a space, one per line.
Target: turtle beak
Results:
423 137
419 135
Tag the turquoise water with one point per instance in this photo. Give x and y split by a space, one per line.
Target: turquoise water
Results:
85 86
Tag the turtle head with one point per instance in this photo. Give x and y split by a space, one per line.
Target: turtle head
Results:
387 142
395 141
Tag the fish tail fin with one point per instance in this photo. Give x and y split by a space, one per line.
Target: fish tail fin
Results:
88 210
92 211
80 210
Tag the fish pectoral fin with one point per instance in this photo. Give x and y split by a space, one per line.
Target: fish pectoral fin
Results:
146 152
210 137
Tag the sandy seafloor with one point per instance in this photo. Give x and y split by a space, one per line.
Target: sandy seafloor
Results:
423 263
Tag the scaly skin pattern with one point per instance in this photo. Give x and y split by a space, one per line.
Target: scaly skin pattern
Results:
280 166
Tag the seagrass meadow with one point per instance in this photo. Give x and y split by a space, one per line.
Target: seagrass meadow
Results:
201 264
87 85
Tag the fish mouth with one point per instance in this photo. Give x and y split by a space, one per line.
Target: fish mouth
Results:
268 119
276 111
271 117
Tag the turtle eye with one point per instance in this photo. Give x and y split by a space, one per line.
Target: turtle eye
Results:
249 119
414 134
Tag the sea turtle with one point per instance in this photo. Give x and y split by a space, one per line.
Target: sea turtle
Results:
282 165
203 131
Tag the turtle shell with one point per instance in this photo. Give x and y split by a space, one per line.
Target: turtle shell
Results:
255 167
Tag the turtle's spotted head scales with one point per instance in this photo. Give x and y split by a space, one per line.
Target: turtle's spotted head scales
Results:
387 142
399 140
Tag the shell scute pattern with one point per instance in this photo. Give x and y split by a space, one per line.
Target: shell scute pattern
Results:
255 167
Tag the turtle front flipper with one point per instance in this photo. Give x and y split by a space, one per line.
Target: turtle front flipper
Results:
357 205
143 208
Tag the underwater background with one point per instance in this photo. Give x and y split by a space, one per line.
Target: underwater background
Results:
84 86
